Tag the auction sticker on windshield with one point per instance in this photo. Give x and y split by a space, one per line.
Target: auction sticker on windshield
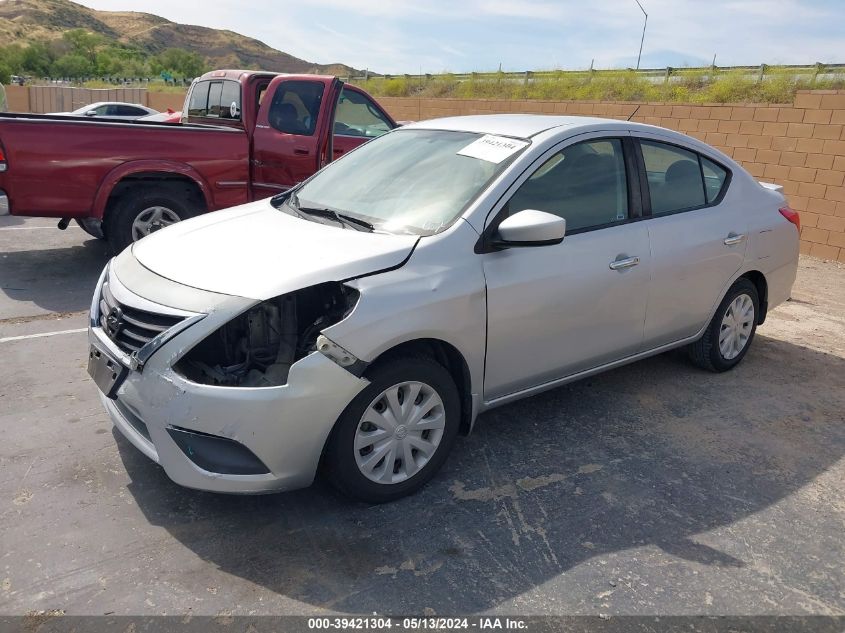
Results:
493 149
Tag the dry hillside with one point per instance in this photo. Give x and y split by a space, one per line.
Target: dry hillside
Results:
23 21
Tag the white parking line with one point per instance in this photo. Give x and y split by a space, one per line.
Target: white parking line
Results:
32 228
9 339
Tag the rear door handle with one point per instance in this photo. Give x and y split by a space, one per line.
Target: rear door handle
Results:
622 264
733 239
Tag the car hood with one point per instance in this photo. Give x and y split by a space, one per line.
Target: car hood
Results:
259 252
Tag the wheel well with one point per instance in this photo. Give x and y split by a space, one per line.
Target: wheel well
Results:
448 356
175 183
759 281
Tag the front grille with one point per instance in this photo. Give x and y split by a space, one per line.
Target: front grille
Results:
131 328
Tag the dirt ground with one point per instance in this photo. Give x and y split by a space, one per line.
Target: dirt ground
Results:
655 488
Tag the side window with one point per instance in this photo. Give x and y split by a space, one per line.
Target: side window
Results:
674 177
198 106
105 110
714 179
123 110
296 107
358 116
585 183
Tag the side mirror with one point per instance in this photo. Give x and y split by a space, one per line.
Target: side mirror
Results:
91 113
530 228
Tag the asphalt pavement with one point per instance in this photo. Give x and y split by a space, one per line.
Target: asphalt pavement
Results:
656 488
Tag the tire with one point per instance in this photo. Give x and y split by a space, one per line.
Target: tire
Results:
709 351
341 459
171 203
92 227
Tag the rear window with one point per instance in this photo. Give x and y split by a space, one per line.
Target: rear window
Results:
216 99
198 105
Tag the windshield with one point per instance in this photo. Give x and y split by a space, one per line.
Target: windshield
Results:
411 181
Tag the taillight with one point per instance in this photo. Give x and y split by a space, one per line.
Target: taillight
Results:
792 216
2 158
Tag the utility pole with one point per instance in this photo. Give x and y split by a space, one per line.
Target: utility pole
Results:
645 23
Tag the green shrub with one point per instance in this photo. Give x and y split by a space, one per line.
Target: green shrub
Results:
687 85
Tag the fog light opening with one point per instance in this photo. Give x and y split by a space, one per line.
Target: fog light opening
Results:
217 454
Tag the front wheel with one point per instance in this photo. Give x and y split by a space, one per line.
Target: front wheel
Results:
92 227
396 434
729 334
144 211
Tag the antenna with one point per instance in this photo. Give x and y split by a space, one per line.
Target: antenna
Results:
633 113
645 23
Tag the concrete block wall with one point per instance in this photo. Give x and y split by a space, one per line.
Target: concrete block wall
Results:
800 145
66 99
161 101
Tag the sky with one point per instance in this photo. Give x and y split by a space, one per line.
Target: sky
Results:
432 36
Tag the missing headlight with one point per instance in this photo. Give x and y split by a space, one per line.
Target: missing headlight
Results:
258 347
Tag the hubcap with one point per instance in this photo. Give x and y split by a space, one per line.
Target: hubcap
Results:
151 220
737 324
399 432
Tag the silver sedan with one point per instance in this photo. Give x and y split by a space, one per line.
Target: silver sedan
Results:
112 110
360 322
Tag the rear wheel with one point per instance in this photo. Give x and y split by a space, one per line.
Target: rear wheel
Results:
396 434
141 212
729 334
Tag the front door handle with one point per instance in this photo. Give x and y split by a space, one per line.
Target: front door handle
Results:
622 264
301 152
733 239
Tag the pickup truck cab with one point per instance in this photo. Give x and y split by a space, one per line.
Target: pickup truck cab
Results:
245 135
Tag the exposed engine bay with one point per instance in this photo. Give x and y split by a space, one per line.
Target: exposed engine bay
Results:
258 347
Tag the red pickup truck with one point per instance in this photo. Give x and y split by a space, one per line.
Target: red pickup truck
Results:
244 135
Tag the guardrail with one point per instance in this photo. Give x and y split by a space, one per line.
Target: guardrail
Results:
667 74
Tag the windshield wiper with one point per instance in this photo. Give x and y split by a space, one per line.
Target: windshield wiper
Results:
349 220
325 212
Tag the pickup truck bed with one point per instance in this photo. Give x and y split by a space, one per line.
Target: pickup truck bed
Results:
59 172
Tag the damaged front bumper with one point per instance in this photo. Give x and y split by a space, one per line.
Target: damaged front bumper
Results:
225 438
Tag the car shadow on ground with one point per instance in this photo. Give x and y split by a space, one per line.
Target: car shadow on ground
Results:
651 454
54 279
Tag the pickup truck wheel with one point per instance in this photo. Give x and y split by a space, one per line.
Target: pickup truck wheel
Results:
140 213
92 227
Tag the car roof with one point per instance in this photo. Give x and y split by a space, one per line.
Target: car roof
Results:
517 125
526 126
97 104
238 74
